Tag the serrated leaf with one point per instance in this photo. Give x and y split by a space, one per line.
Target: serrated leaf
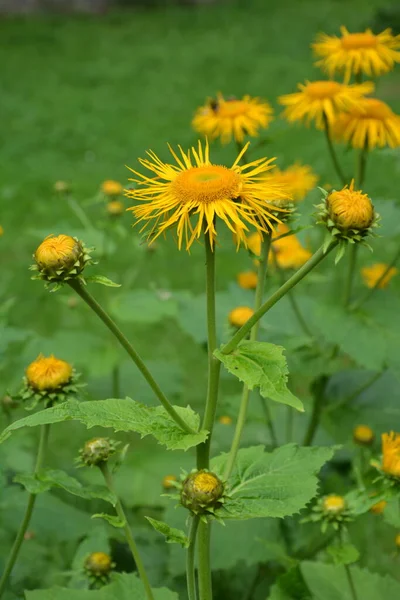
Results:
271 484
120 415
172 535
48 478
102 280
113 520
260 364
345 554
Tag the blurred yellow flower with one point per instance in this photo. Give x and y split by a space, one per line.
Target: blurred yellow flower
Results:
232 118
247 280
397 540
115 207
168 481
350 209
288 251
355 53
1 231
48 373
371 275
98 564
320 100
379 507
254 243
333 504
363 435
111 188
189 195
239 315
391 453
370 124
61 187
225 420
296 179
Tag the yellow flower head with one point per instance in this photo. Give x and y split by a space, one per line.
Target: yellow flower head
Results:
98 564
115 208
297 179
189 195
397 540
350 209
322 100
372 275
168 481
391 454
229 118
370 124
225 420
354 53
57 252
363 435
378 508
205 482
238 316
111 188
202 492
48 373
333 504
1 231
288 251
247 280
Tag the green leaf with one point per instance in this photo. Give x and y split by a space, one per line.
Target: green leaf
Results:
48 478
345 554
290 586
142 306
273 484
260 364
329 582
172 535
113 520
120 415
102 280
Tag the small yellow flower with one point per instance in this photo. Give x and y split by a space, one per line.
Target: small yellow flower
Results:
363 435
98 564
247 280
288 251
370 124
354 53
48 373
232 118
1 231
397 540
238 316
61 187
378 508
168 481
320 100
334 504
115 207
111 188
57 252
225 420
371 275
391 453
350 209
297 179
189 195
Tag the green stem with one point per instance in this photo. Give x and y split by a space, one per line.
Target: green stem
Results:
203 542
319 386
269 421
12 558
80 213
127 530
351 582
378 282
361 164
82 291
190 558
290 283
261 275
332 152
350 274
214 365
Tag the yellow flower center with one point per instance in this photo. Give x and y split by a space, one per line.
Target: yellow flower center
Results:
323 89
334 504
363 434
375 109
57 251
211 183
357 41
205 483
98 563
350 209
230 109
48 374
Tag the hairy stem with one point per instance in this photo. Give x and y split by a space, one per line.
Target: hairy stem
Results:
190 559
332 152
203 541
128 532
12 558
82 291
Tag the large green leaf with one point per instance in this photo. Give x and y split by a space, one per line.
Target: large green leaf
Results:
120 415
260 364
329 582
172 535
274 484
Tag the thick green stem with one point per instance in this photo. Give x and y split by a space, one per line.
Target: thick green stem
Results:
82 291
190 559
214 365
351 582
290 283
262 272
128 532
332 152
378 282
319 386
350 274
203 542
12 558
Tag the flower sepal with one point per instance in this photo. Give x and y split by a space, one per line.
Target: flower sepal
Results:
31 398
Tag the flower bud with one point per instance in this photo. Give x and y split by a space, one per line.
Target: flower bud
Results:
59 258
98 564
168 481
378 508
334 504
61 187
111 188
225 420
363 435
247 280
397 541
238 316
202 492
97 451
115 208
48 374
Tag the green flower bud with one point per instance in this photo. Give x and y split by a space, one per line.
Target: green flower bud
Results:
202 492
97 451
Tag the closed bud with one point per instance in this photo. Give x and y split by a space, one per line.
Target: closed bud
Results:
397 541
378 508
363 435
238 316
48 374
61 187
202 492
98 565
225 420
334 504
169 481
111 188
115 208
60 258
97 451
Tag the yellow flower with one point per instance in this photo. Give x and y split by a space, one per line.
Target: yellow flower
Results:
1 231
371 275
229 118
254 243
225 420
378 508
98 564
296 179
57 252
111 188
320 100
48 373
370 124
238 316
288 251
168 481
350 209
115 207
247 280
397 540
334 504
354 53
189 195
391 453
363 435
